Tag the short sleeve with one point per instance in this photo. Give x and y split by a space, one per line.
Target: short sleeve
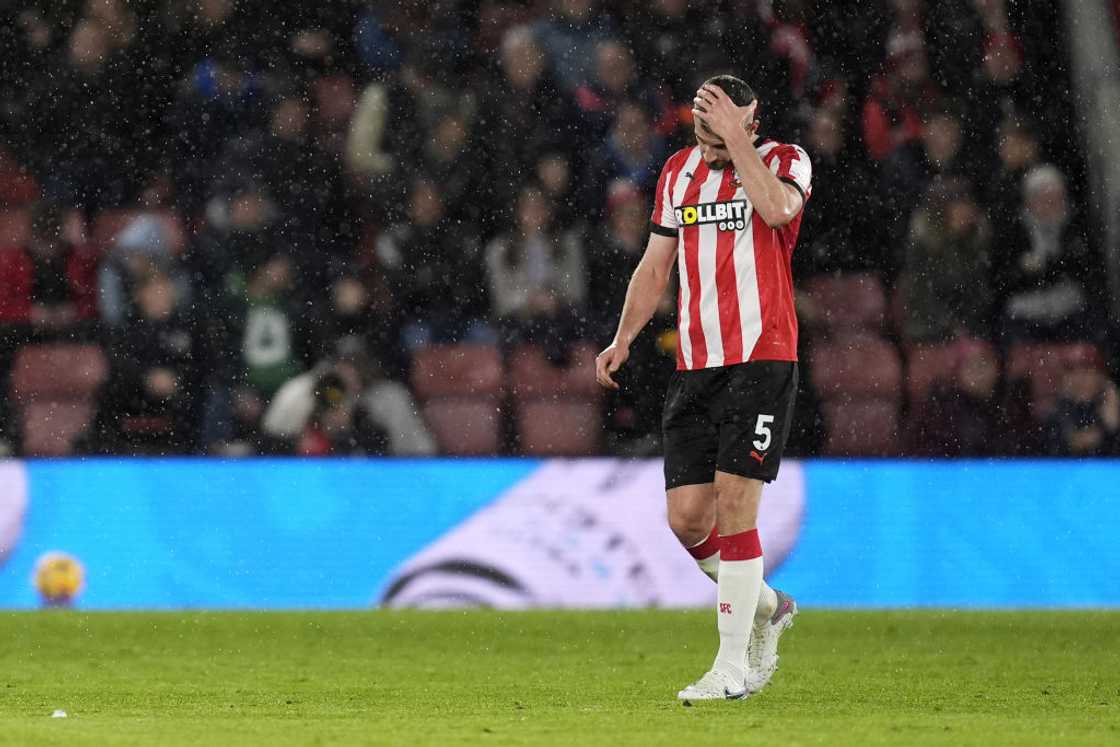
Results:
664 218
795 168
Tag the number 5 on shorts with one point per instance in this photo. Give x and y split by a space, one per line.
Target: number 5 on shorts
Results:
762 428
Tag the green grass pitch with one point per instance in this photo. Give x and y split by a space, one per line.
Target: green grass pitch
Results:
859 678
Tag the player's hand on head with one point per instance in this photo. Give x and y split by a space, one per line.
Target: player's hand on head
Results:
608 362
714 108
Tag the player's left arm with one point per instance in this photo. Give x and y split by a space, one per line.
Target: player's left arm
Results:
777 201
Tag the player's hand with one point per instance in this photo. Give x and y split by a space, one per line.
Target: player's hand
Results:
608 362
714 108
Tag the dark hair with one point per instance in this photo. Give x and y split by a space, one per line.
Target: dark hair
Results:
737 89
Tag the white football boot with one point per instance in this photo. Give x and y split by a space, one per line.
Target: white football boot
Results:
715 685
762 651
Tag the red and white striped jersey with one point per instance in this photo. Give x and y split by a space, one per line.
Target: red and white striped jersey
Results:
736 286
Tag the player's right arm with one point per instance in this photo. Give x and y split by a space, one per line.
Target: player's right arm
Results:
647 285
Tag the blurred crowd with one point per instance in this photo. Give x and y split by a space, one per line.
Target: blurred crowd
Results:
261 213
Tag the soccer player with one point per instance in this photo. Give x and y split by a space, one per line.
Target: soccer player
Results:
727 212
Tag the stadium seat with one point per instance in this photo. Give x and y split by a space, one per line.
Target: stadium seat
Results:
856 365
50 427
559 427
558 408
532 375
861 427
849 301
17 185
929 364
59 371
460 388
15 227
465 425
1042 366
926 365
456 370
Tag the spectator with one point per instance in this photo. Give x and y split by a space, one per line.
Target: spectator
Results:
265 306
257 327
1019 152
48 287
954 36
346 405
242 229
434 271
569 36
554 172
1086 420
84 113
632 151
305 183
663 39
148 405
837 233
1045 269
892 114
450 144
375 45
143 247
615 81
1002 88
523 109
946 274
968 415
358 307
614 252
537 276
909 170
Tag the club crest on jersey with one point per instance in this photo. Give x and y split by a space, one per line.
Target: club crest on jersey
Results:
728 216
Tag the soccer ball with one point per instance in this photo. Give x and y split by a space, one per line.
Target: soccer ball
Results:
59 578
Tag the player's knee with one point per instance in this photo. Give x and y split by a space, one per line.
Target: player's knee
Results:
691 526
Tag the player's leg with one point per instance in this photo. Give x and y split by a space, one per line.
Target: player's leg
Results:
740 569
753 435
692 517
691 440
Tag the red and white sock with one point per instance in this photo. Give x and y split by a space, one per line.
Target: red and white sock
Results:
706 554
740 580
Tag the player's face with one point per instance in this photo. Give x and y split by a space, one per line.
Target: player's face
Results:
712 150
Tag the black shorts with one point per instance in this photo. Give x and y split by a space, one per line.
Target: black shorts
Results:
731 418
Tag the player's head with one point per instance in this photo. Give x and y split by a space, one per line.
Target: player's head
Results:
712 148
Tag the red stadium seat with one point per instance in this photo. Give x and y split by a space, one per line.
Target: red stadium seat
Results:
17 186
561 427
50 427
1042 366
59 371
15 227
849 301
459 370
928 364
532 375
856 365
559 410
465 425
460 388
861 427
